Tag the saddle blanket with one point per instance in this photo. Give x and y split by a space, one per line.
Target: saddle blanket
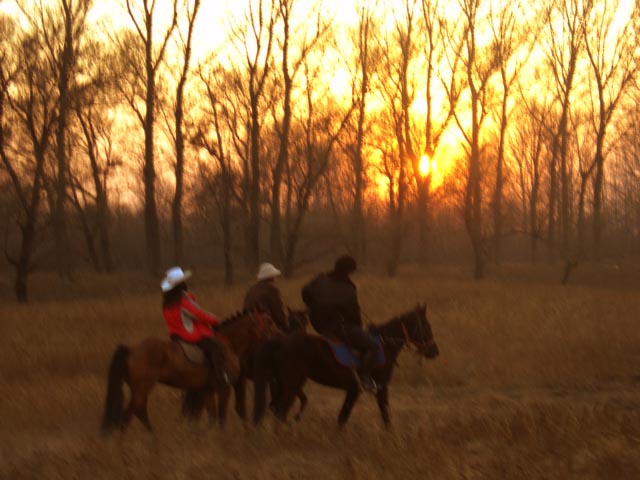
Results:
350 358
193 352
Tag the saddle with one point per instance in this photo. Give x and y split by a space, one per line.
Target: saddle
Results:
193 352
350 358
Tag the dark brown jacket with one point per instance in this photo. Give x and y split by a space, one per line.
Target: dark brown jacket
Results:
266 293
333 303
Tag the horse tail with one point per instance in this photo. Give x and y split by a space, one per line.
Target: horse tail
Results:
264 367
114 404
193 403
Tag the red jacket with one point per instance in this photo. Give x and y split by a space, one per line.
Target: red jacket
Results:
188 320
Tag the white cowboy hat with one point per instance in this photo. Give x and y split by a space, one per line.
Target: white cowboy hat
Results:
174 276
267 271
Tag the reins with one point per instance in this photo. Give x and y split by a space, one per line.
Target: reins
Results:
261 332
254 316
407 340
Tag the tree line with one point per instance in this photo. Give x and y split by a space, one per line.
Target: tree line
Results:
301 133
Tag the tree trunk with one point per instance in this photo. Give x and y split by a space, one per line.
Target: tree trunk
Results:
533 218
283 154
23 265
551 214
103 234
597 207
581 216
91 247
63 259
226 229
152 229
176 204
423 220
474 190
497 198
253 230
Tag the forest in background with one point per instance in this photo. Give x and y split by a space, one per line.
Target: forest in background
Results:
430 132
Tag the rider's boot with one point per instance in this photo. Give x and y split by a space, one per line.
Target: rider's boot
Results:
367 382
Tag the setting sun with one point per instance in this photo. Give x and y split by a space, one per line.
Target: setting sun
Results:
427 165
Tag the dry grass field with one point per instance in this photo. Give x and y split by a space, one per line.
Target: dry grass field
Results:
534 380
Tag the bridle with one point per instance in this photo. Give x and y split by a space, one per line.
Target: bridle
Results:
419 345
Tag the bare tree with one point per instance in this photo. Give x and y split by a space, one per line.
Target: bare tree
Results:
97 143
314 144
434 126
365 64
583 151
254 39
472 71
186 40
28 94
305 38
399 92
529 149
142 14
612 51
221 114
59 27
564 43
508 36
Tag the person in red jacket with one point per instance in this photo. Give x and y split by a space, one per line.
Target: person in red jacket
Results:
187 321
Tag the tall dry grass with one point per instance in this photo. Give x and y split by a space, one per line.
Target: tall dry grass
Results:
534 380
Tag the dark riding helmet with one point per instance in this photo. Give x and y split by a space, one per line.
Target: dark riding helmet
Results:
345 265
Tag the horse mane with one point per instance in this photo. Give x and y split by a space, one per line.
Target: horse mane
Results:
234 317
395 320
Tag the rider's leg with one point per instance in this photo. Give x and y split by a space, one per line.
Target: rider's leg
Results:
359 339
214 358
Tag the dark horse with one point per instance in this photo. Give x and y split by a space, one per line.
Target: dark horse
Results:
297 357
156 360
195 401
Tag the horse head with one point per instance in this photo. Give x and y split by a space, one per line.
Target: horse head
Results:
419 334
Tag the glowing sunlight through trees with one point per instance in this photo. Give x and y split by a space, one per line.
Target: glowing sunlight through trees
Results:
487 130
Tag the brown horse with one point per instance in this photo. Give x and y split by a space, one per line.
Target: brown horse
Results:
297 357
156 360
195 401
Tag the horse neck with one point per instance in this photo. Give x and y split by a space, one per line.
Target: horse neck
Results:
239 332
393 335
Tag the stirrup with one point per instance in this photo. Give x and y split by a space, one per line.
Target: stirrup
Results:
366 383
369 385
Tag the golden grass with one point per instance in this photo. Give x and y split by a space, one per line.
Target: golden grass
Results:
534 380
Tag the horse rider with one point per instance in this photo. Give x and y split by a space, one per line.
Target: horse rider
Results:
188 322
334 311
264 292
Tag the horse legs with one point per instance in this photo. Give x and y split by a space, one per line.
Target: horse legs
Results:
126 417
286 398
352 395
303 404
274 389
223 401
211 407
143 416
138 406
240 390
290 387
383 402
